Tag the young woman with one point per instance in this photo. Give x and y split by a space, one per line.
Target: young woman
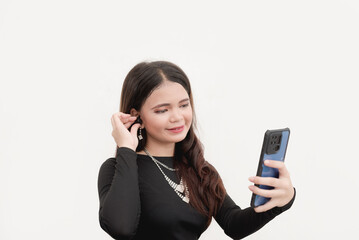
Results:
158 185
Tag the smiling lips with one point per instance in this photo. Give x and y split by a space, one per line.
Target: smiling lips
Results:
177 129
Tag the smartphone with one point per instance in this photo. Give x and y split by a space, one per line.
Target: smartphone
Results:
274 147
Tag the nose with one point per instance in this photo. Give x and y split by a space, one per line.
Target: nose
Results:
176 115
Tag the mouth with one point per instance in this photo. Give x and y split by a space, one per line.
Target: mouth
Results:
176 129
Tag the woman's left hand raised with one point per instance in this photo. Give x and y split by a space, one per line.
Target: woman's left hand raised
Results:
283 190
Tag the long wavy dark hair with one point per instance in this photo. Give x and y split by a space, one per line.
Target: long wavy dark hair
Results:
204 184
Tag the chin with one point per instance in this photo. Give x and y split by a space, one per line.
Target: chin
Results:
176 138
181 137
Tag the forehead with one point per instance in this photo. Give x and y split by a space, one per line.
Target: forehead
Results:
167 92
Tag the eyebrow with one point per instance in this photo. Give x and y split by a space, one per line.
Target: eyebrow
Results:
167 104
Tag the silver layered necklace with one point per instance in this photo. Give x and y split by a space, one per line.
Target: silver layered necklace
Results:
180 189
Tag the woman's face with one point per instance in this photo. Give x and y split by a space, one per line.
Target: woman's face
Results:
166 114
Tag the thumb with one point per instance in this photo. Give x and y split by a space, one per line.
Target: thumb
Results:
134 129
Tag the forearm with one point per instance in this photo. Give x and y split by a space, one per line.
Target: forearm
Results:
239 223
119 195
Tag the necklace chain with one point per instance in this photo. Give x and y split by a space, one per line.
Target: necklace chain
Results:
155 160
180 189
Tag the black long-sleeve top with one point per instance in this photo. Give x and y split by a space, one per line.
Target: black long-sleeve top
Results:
136 202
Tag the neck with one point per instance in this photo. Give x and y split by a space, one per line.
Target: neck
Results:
166 150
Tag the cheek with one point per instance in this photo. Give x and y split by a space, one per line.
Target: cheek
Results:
188 116
156 122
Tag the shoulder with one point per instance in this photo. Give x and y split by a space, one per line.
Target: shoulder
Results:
109 163
122 153
107 168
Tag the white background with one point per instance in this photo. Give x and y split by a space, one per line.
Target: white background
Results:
253 65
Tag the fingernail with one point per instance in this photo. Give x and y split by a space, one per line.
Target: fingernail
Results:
251 179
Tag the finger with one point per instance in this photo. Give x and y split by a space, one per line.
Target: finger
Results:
112 122
265 207
283 172
129 123
134 129
264 192
268 181
122 116
126 118
117 123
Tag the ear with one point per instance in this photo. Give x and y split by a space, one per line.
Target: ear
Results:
136 113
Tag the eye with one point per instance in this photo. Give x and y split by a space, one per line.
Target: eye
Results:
161 111
185 105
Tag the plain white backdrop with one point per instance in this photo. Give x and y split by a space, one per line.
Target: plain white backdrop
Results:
253 65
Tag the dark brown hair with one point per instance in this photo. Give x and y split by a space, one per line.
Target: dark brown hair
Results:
204 184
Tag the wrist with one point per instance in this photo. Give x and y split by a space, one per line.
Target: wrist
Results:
127 146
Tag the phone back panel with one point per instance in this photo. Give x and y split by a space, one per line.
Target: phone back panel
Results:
270 151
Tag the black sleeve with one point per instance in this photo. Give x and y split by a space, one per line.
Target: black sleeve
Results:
238 223
119 195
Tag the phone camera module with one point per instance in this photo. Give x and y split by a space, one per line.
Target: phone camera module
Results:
274 143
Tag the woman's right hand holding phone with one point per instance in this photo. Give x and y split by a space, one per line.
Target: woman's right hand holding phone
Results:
123 137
